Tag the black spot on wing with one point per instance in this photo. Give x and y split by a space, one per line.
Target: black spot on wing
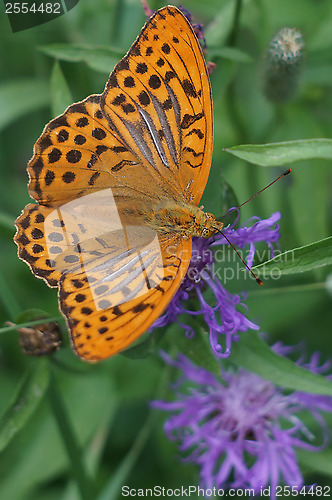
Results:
188 120
44 142
141 68
189 88
61 121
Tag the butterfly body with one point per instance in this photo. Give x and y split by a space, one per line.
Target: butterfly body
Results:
183 219
118 179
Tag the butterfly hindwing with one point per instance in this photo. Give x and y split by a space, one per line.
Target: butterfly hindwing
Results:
101 319
32 247
113 277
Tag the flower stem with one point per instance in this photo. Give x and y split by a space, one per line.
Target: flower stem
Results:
28 324
113 487
231 101
78 469
236 21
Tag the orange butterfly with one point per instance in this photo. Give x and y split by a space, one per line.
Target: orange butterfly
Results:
118 179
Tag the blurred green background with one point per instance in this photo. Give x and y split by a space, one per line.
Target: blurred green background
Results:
108 403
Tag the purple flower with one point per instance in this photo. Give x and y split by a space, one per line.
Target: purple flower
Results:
242 430
198 28
227 316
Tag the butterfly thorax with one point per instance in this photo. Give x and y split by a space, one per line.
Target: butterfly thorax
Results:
184 219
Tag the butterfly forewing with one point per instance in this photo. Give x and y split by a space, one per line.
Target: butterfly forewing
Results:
79 154
159 99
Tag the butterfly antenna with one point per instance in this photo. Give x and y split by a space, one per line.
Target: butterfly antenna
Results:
260 282
259 192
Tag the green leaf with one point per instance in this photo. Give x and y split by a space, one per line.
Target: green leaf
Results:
7 222
328 285
298 260
231 53
14 102
31 315
7 298
123 470
318 462
146 347
282 153
318 74
321 39
47 457
218 30
98 58
197 348
25 402
60 92
228 200
254 355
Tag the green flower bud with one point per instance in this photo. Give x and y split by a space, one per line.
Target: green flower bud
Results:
283 64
